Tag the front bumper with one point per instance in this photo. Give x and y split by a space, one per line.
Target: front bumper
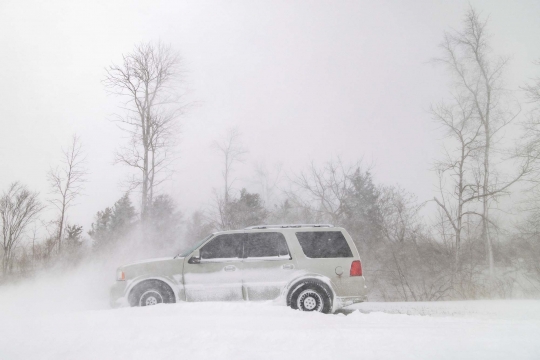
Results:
117 296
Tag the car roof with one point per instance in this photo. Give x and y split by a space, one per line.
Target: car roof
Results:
298 227
287 226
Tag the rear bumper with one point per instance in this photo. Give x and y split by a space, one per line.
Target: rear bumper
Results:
348 300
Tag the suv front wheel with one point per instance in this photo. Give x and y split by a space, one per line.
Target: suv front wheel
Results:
311 296
151 292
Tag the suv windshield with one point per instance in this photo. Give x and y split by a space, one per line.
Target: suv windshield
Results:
193 247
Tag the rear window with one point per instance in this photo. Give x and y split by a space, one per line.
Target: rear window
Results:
324 244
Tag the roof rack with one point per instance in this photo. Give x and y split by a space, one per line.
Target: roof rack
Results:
284 226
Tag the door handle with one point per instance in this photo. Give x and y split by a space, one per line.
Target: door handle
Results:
230 268
288 266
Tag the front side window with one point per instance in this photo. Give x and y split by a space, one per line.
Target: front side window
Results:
267 245
223 247
324 244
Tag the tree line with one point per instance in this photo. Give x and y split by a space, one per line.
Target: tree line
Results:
462 249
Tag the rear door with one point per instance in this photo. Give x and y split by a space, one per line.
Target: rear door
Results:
267 266
218 275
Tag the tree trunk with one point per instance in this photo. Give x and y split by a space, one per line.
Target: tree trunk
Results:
485 201
144 198
61 228
458 245
4 262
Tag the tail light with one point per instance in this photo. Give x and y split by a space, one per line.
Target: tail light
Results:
356 268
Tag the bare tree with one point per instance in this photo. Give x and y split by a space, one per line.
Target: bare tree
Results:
18 208
66 182
34 238
233 152
527 241
148 79
531 138
533 90
458 186
400 214
267 180
324 189
479 84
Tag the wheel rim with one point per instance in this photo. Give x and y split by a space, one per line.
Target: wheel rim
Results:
310 300
151 300
150 297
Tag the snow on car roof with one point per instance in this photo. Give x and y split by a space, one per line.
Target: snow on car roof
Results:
287 226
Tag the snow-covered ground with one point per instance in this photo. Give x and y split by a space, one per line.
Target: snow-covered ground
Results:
42 320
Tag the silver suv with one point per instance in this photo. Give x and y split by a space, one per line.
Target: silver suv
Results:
306 267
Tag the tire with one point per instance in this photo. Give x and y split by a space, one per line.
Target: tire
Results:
151 292
311 295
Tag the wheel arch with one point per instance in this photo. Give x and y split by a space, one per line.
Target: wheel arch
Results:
318 279
139 282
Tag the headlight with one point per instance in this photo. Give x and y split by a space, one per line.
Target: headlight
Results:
120 276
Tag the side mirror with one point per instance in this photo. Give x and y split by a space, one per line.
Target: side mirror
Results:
195 257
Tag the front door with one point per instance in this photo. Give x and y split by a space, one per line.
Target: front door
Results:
218 276
268 265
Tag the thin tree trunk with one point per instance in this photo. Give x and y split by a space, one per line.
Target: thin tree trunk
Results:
4 262
144 199
485 200
61 227
460 206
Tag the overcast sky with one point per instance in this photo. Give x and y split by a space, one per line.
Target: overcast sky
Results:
303 80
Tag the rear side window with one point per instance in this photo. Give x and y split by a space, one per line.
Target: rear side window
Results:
225 247
324 244
268 245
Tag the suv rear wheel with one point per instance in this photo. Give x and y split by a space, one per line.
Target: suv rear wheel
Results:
311 296
151 292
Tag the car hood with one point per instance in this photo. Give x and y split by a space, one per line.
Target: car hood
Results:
146 261
156 268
